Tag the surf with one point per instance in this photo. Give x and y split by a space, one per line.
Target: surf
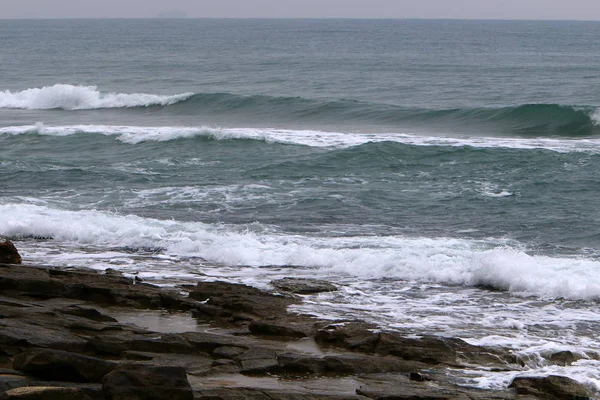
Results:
135 135
79 97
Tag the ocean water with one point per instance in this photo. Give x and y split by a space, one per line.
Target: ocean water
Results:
445 174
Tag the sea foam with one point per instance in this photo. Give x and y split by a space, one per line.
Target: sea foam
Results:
77 97
312 138
491 263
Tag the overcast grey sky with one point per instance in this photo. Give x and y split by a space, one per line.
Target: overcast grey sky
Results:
485 9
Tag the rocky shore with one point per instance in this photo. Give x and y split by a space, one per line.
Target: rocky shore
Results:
81 334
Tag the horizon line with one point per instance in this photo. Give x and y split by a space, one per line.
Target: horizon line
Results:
304 18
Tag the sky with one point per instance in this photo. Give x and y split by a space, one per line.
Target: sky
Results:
471 9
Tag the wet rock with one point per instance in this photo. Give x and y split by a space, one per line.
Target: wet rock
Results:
208 342
44 393
227 351
270 328
87 312
206 311
263 394
563 358
162 343
9 253
222 361
143 382
18 334
430 350
257 361
300 364
11 380
111 344
241 299
440 350
419 377
401 388
60 365
303 285
553 387
355 336
357 364
33 282
193 363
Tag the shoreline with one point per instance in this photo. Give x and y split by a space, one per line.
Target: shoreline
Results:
227 341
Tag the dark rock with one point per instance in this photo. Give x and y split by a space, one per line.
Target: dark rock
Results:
22 334
33 282
431 350
439 350
88 313
303 285
393 387
208 342
419 377
551 387
268 394
359 364
44 393
162 343
62 366
257 361
227 351
355 336
111 344
241 299
259 366
193 363
563 358
12 380
9 253
294 364
269 328
222 362
206 311
142 382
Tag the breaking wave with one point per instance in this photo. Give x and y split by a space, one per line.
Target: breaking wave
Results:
71 97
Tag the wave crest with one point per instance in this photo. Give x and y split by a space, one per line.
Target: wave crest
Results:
311 138
488 263
78 97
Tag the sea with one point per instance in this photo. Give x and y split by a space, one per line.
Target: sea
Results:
444 174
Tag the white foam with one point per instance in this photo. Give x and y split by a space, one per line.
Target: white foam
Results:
312 138
437 260
595 116
77 97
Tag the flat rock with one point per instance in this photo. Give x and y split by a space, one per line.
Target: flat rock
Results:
270 394
86 312
62 366
242 299
143 382
22 334
44 393
432 350
207 342
303 285
284 330
553 387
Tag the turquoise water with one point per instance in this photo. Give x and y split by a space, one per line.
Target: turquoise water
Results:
407 160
